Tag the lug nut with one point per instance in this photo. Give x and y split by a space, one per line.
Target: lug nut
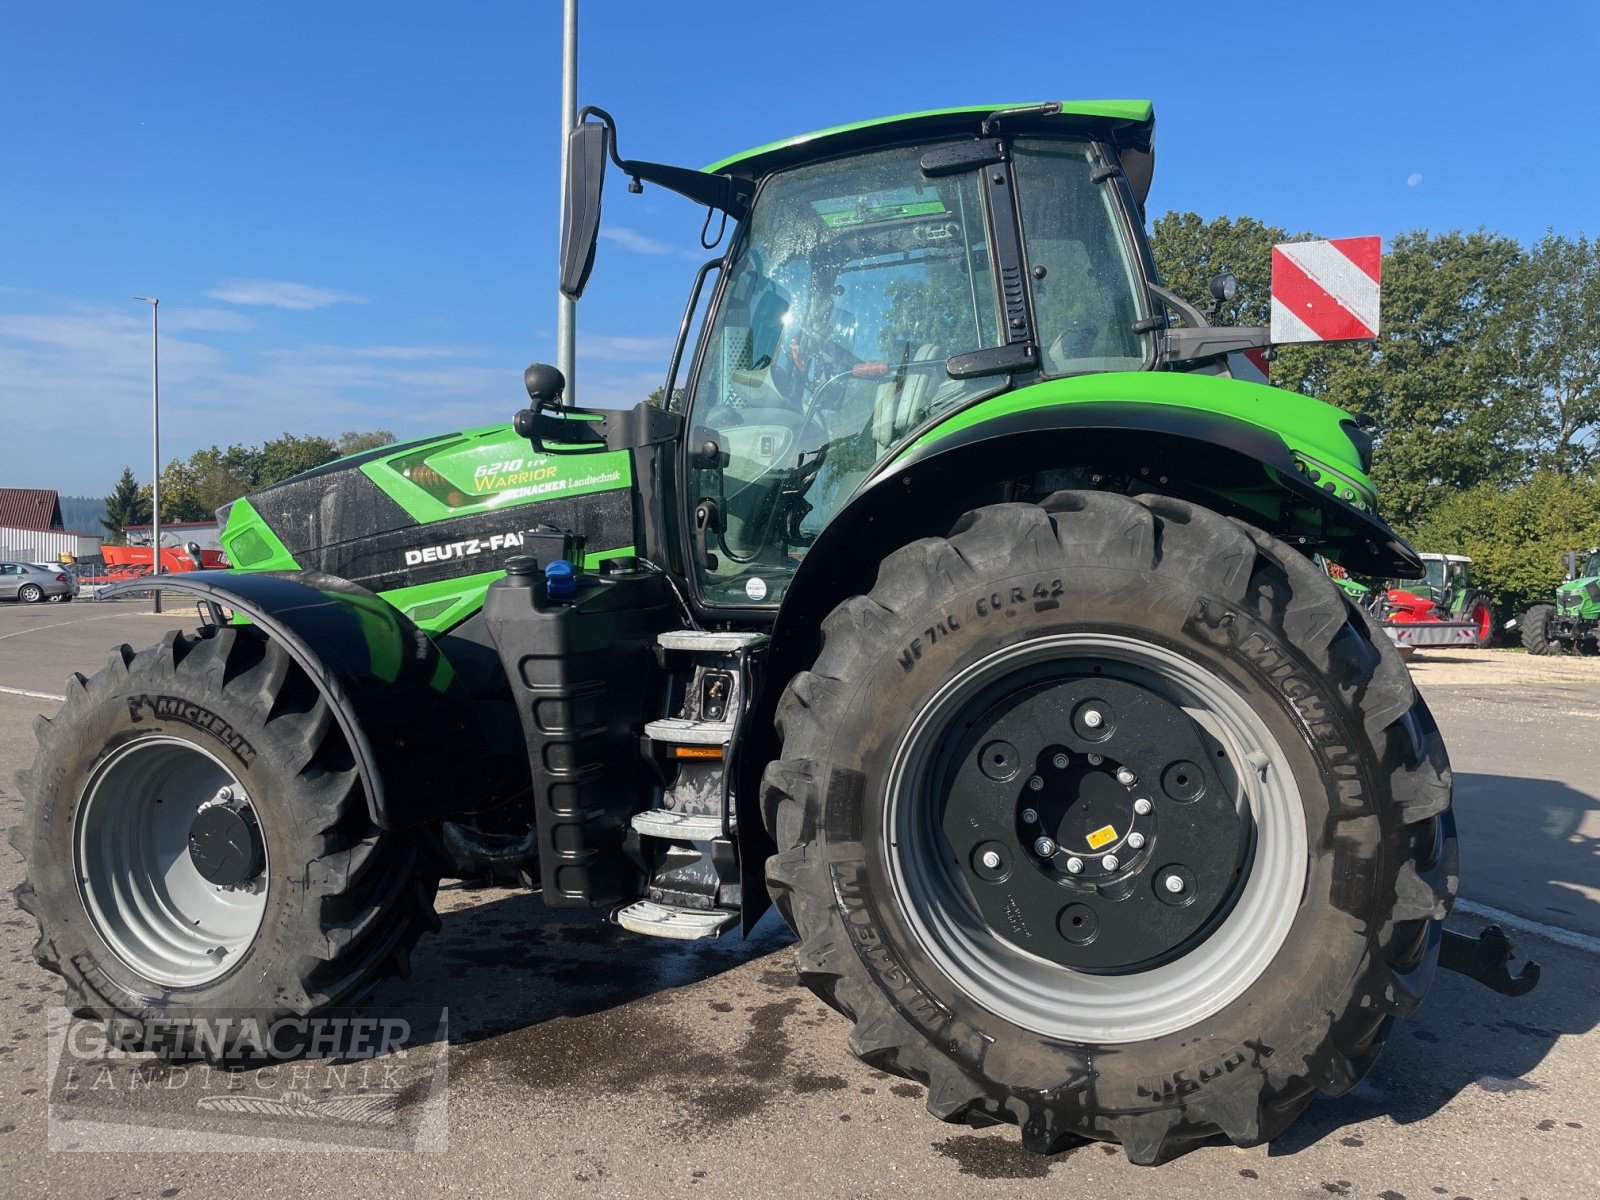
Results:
1173 884
1141 806
1044 847
1109 862
991 860
1094 718
1125 777
1059 762
1035 784
1074 865
1136 840
1096 759
1029 816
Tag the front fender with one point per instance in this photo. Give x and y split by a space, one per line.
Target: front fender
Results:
404 715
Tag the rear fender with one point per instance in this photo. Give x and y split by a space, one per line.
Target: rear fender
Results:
405 716
1225 463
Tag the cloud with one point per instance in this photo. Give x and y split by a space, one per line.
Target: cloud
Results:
1413 179
640 243
75 391
278 293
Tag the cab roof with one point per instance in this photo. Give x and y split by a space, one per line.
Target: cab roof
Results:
1129 123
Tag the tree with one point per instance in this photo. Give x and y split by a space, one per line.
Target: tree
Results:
351 442
1556 335
289 455
1438 379
1516 535
1189 251
127 504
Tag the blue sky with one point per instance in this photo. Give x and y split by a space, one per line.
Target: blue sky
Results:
348 209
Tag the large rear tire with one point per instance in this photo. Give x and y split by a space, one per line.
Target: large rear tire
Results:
1077 995
198 843
1536 637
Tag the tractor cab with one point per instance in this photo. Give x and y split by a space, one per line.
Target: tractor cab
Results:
863 299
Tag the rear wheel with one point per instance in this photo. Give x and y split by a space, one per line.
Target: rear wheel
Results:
198 842
1536 637
30 593
1113 819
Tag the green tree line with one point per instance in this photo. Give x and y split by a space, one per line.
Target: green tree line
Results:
193 488
1484 384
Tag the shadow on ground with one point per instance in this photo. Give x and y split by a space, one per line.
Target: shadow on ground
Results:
1465 1036
508 963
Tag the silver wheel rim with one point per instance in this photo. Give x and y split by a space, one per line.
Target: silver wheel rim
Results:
30 594
139 886
1057 1001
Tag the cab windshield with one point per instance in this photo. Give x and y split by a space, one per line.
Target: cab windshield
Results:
851 286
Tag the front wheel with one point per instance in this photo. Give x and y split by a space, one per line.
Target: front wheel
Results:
1536 637
1111 818
198 843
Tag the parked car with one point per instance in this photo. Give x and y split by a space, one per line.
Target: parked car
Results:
31 583
71 574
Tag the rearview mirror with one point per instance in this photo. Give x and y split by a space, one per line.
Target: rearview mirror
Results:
587 149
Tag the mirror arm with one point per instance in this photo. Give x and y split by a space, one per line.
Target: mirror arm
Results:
714 191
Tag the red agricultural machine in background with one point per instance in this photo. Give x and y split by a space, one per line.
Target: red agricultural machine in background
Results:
125 563
1444 609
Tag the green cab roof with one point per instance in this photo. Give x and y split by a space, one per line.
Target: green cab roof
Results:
1132 120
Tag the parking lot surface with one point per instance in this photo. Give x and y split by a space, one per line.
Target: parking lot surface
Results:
584 1061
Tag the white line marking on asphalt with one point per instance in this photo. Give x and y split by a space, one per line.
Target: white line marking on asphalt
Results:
59 624
11 691
1565 937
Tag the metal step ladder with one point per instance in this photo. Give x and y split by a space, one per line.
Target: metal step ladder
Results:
696 872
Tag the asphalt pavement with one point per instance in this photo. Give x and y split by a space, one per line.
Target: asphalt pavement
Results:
585 1061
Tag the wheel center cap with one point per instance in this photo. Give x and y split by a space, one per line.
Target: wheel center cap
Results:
1092 821
1085 809
225 844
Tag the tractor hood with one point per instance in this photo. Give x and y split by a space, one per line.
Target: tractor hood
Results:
428 511
1579 597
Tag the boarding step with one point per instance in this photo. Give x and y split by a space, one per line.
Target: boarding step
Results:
670 921
683 827
707 642
682 731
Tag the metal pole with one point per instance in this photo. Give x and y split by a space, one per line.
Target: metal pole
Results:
155 443
566 310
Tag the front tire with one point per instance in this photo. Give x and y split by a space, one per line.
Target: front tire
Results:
1160 1023
1536 637
198 842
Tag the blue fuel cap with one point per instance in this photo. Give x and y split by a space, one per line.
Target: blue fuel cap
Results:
561 580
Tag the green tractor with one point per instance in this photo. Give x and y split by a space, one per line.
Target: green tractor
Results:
958 601
1572 623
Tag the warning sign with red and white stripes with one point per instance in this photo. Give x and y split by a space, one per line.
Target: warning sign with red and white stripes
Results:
1326 291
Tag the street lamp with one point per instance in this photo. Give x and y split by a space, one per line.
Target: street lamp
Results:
567 309
155 443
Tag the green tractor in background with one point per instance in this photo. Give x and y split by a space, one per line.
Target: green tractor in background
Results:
1572 623
958 601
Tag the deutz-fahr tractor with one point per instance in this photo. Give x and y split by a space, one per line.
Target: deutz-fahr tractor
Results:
955 598
1572 623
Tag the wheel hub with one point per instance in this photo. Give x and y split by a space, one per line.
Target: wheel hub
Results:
1092 823
225 842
